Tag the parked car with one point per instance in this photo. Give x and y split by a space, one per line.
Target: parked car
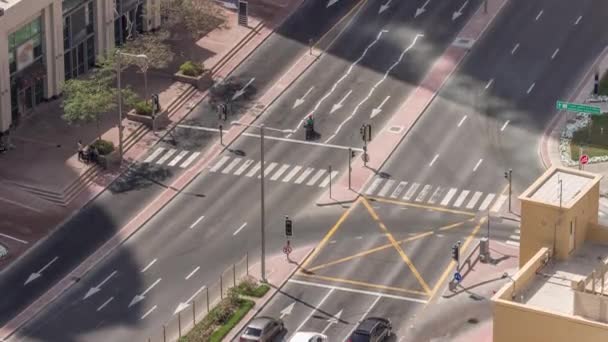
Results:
372 329
308 337
262 329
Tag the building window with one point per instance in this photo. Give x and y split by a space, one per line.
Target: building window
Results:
66 33
31 31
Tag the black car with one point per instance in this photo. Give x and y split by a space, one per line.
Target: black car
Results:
372 329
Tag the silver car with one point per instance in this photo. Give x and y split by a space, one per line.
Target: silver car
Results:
262 329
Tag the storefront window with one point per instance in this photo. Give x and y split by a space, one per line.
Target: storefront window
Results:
31 31
79 36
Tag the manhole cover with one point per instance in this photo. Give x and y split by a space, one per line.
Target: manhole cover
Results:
395 129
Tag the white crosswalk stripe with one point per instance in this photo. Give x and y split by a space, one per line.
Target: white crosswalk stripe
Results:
243 167
177 158
411 191
513 243
375 184
448 197
166 156
190 159
255 169
268 169
398 189
279 172
474 199
486 202
231 166
422 195
498 204
219 164
461 198
387 186
436 195
292 173
316 177
154 154
304 174
326 180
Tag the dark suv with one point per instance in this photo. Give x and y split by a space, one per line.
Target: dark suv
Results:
372 329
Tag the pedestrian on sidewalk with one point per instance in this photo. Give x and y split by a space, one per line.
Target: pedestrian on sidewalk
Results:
81 154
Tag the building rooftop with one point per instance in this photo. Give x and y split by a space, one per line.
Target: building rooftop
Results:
8 3
550 289
548 189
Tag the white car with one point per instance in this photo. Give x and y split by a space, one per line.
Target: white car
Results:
308 337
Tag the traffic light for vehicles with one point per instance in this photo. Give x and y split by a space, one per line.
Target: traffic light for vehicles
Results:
288 227
456 252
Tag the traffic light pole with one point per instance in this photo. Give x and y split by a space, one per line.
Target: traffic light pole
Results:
350 169
329 173
510 182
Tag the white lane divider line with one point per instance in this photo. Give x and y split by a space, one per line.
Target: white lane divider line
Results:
539 14
316 177
14 238
555 53
462 120
312 312
373 88
498 204
448 196
240 228
149 265
372 188
190 159
477 165
148 312
461 198
433 161
578 20
363 316
489 84
243 167
280 172
304 174
324 183
254 170
268 169
398 190
505 125
340 80
177 158
515 48
423 193
292 173
531 87
411 191
166 156
474 199
197 221
154 154
387 186
104 304
486 202
192 273
231 166
219 164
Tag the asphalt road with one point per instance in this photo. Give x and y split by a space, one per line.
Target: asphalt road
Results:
79 236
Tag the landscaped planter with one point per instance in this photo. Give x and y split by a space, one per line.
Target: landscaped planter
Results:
201 82
109 160
158 121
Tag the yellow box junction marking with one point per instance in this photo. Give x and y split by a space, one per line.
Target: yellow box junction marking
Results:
391 238
422 206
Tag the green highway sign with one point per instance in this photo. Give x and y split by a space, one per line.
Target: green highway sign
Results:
577 107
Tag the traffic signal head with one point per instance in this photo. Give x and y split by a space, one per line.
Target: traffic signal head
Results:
455 252
288 227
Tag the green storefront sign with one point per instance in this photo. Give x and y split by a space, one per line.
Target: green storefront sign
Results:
577 107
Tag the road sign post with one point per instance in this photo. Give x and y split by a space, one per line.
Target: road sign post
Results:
583 160
577 107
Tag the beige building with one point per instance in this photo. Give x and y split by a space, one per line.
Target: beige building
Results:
45 42
560 292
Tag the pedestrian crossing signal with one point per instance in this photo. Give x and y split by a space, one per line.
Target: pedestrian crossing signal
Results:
288 227
456 252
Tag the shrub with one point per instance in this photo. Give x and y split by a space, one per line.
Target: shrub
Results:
143 108
104 147
190 68
249 287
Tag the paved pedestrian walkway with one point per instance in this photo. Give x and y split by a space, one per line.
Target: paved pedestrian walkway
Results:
41 180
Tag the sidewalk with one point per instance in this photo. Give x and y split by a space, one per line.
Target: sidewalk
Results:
549 148
37 197
387 140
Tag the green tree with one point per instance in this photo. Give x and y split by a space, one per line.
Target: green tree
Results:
198 17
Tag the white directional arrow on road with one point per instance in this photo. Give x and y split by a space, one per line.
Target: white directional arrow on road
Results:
384 7
340 104
182 306
332 320
138 298
301 99
378 109
287 311
422 9
97 288
331 2
459 12
241 91
38 274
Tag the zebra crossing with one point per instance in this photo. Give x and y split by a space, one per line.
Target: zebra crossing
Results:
172 157
514 238
273 171
435 195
